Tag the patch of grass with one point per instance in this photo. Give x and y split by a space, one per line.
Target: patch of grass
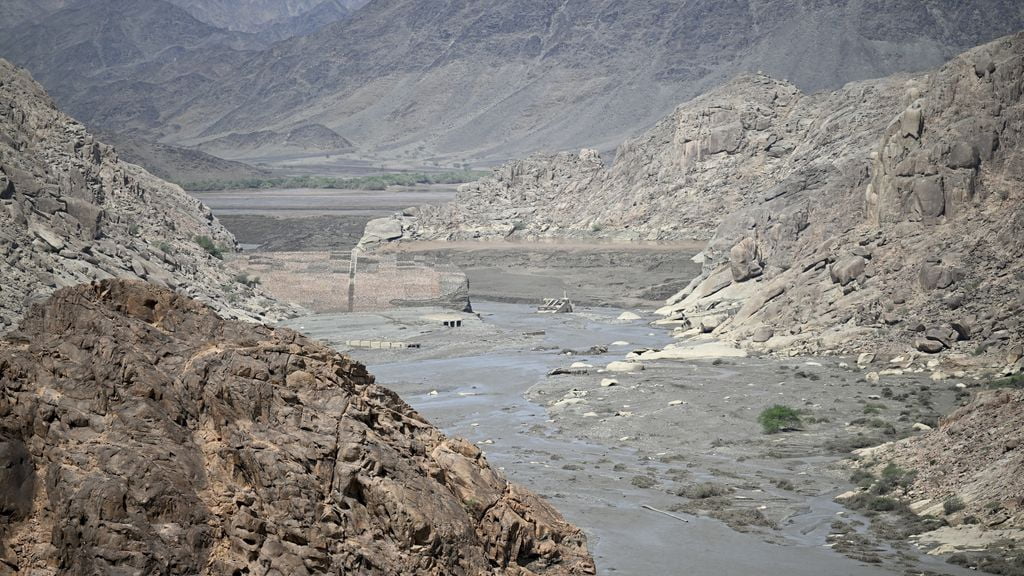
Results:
166 248
377 182
953 504
779 418
207 244
862 478
893 477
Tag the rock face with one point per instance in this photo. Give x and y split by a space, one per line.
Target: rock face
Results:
754 142
142 434
927 236
837 221
72 212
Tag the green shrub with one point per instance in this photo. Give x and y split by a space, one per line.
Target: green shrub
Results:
893 477
779 418
165 248
953 504
206 243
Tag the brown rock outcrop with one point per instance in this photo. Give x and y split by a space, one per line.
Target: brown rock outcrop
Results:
72 212
142 434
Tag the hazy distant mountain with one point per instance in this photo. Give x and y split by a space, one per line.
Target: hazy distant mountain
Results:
490 79
119 63
281 18
15 12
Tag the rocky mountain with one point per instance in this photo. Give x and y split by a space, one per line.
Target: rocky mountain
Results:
281 18
884 216
179 165
308 137
17 12
122 64
71 212
481 80
141 433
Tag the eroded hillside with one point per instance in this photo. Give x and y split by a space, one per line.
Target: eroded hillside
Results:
71 212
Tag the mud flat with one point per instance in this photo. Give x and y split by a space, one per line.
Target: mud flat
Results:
679 436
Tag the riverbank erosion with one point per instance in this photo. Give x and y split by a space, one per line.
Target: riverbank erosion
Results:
142 433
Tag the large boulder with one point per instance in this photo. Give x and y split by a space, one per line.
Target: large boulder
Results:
381 230
848 269
745 260
166 440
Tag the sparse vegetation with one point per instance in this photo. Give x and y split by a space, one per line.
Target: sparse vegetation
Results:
953 504
893 477
1015 381
779 418
211 248
377 182
166 248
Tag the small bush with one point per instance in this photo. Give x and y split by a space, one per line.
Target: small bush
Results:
893 477
166 248
862 478
779 418
207 244
953 504
133 230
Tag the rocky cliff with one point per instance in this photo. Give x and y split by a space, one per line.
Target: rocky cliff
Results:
926 250
885 216
72 212
754 139
140 433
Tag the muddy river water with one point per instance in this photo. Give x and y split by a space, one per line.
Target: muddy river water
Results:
482 396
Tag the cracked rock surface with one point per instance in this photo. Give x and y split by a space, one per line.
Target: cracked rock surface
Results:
143 434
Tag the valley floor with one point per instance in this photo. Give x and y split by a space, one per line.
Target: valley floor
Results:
667 469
